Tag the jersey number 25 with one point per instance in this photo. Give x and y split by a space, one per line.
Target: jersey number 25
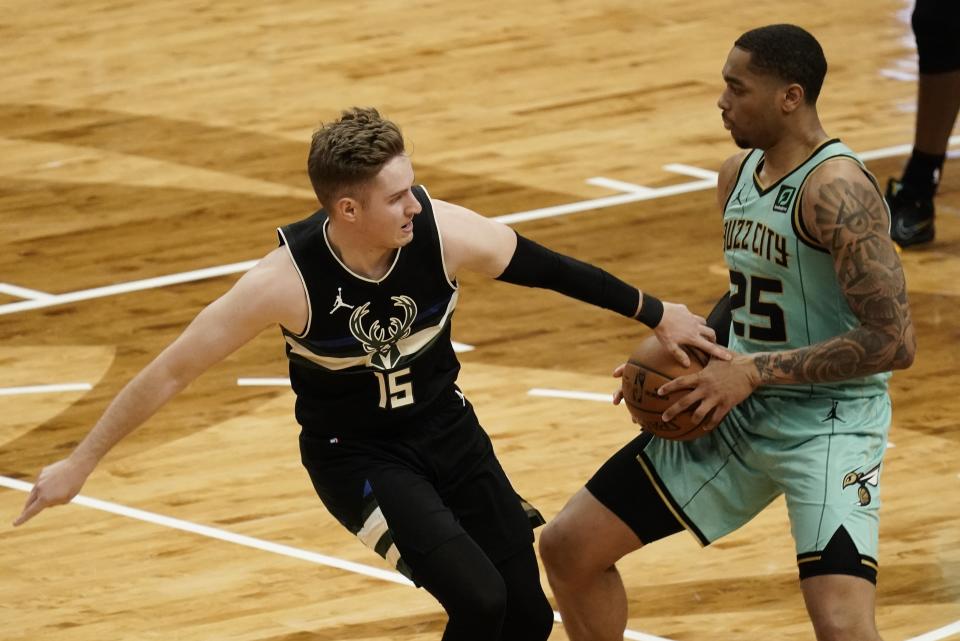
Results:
754 287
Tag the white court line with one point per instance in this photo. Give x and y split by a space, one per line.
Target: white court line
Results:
939 633
689 170
263 382
640 636
222 535
258 544
533 214
23 292
896 74
130 286
604 202
45 389
572 394
897 150
617 185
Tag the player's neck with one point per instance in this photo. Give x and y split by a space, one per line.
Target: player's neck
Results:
360 257
791 151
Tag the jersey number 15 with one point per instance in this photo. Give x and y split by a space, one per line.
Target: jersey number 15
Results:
393 391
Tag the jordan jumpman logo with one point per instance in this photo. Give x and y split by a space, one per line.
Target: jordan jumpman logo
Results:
338 302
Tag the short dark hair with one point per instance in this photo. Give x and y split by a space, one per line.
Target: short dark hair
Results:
788 52
349 152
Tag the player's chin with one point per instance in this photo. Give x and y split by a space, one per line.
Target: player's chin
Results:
741 142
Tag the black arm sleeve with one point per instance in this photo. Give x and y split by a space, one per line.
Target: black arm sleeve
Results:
719 320
534 265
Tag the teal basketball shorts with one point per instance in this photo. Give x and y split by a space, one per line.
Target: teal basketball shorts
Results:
824 455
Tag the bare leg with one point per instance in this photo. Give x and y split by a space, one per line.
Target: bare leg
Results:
841 607
579 549
938 101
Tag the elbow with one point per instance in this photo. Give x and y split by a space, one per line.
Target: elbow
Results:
906 352
904 358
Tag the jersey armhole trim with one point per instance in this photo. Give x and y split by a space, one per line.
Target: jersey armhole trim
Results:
443 260
306 292
736 181
799 227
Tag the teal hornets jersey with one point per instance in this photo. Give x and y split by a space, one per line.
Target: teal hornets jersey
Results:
784 291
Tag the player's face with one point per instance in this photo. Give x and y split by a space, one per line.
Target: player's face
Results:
388 208
748 103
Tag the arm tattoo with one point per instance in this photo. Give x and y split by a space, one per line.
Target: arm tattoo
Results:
852 224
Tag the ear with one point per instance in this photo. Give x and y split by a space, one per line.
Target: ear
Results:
346 209
792 98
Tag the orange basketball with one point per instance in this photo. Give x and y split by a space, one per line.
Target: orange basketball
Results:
649 367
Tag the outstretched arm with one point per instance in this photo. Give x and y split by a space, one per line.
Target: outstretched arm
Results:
842 211
479 244
267 294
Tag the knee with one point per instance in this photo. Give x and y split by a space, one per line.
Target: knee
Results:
551 545
842 627
476 613
541 623
533 623
485 604
558 550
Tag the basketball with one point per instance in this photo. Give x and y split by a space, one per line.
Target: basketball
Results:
649 367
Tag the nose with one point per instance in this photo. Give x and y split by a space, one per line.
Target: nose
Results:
413 205
722 101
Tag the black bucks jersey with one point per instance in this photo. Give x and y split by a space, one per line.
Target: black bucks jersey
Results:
374 353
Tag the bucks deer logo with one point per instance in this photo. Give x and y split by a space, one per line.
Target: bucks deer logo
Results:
382 341
863 479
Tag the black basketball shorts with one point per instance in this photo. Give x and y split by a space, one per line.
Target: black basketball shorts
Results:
404 495
622 487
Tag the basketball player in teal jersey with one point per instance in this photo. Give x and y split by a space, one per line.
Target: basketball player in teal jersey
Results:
364 292
819 318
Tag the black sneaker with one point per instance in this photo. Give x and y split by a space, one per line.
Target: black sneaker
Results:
911 220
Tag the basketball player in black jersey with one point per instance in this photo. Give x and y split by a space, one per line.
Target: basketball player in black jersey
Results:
363 292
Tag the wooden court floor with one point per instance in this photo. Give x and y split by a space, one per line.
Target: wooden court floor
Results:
144 145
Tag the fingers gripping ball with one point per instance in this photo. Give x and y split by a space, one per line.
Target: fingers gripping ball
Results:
649 367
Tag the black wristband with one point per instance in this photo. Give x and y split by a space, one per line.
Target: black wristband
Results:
651 311
534 265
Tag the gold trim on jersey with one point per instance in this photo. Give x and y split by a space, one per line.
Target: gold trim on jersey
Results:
286 246
797 217
406 346
763 191
666 501
736 181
